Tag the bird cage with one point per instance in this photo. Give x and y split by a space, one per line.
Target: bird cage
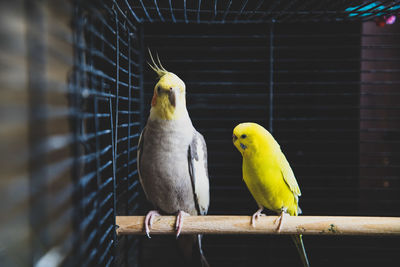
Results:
322 76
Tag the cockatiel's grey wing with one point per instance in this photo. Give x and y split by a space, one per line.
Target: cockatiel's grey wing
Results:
198 169
139 157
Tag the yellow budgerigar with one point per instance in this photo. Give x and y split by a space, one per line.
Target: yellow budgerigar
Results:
268 176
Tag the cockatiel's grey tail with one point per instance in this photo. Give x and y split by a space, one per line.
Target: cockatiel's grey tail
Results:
190 247
172 162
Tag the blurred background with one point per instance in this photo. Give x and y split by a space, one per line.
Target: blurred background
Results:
322 76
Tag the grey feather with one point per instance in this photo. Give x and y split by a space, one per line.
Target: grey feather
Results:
172 167
139 154
163 166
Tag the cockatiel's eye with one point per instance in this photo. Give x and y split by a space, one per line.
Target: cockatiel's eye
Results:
158 90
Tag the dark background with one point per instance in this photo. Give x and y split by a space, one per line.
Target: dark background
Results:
317 116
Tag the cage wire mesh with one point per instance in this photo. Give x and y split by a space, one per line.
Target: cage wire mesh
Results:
76 92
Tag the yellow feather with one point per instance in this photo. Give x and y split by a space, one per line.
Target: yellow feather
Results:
169 83
158 69
267 173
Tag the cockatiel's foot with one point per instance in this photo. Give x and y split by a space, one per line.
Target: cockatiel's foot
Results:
179 222
279 220
148 221
256 215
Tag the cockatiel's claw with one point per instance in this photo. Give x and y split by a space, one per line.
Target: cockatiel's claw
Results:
148 221
256 215
179 222
280 220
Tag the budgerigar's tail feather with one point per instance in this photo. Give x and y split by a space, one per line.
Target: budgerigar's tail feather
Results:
298 241
190 248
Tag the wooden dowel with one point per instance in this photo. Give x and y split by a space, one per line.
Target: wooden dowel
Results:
306 225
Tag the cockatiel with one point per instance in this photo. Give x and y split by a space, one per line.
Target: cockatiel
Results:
172 161
268 176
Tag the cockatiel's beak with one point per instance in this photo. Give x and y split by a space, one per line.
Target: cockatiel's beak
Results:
172 97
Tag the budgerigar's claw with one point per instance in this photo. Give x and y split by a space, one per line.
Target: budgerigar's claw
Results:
256 215
179 222
280 221
148 221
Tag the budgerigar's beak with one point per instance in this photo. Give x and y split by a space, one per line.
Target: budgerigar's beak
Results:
234 138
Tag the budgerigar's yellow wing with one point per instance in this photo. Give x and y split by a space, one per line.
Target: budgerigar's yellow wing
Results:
288 175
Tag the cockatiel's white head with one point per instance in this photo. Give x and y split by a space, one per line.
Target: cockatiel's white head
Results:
168 102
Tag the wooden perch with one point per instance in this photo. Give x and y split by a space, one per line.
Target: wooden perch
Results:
306 225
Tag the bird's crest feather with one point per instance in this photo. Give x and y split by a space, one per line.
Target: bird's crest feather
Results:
158 68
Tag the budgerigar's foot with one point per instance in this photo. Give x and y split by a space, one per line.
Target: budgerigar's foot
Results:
280 220
148 221
256 215
179 222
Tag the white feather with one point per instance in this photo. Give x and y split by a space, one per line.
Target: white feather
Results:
201 186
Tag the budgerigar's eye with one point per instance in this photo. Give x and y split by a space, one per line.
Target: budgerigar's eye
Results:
158 89
243 136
